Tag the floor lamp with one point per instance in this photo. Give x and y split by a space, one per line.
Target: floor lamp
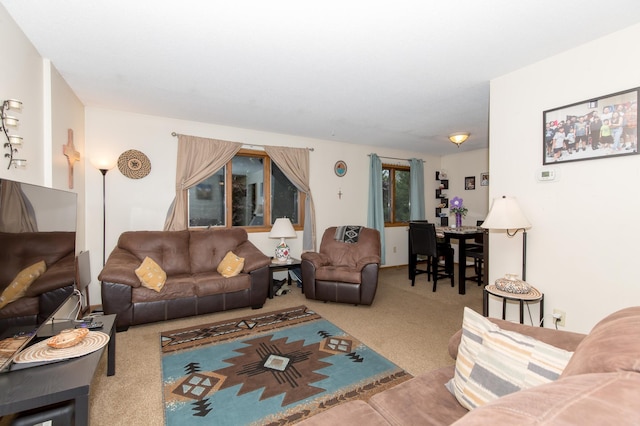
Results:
505 214
103 166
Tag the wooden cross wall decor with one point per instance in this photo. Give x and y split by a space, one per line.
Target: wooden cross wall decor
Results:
72 155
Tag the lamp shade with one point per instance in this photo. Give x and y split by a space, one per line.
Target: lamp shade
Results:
505 213
282 228
102 163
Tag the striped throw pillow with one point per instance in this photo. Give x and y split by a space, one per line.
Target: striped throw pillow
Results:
493 362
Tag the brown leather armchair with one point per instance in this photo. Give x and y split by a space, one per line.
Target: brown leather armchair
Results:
341 271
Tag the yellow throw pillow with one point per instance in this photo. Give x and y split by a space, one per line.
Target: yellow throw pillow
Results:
151 274
231 265
20 284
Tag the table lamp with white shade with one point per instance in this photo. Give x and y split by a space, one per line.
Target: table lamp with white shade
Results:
282 229
505 214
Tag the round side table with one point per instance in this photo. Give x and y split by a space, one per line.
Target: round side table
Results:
533 296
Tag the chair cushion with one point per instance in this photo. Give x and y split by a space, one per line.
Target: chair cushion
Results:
353 412
423 400
492 362
231 265
339 274
208 247
585 399
210 283
348 254
18 286
151 274
609 346
176 287
170 249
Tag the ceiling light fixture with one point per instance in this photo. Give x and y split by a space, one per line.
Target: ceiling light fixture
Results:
459 137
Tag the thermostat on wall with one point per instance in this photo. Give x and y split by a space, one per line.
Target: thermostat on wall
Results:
547 175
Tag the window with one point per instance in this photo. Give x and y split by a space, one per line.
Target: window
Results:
395 193
258 194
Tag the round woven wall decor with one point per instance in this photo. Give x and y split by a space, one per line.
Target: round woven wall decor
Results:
134 164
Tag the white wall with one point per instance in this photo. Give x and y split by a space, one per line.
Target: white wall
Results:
581 251
49 109
142 204
458 167
21 77
67 112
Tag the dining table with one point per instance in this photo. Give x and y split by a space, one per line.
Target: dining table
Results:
461 235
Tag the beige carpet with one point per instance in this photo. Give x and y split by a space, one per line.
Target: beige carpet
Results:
408 325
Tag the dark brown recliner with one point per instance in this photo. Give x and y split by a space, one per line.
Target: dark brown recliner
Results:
343 272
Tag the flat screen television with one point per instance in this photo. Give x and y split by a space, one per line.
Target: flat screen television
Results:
37 224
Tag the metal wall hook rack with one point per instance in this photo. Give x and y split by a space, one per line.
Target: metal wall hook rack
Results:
13 141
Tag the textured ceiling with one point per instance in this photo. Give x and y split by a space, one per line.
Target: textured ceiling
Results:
383 73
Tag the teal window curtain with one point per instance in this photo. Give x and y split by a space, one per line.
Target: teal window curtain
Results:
375 212
416 189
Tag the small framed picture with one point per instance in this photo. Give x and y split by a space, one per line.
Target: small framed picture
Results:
470 183
484 179
340 168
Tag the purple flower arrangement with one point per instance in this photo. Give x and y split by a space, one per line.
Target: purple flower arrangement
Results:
457 207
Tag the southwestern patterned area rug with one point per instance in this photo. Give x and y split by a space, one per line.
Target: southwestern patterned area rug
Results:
272 368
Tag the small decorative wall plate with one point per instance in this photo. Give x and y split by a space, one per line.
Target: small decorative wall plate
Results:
340 168
134 164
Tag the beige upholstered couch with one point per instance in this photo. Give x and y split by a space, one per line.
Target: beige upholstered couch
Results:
193 285
600 385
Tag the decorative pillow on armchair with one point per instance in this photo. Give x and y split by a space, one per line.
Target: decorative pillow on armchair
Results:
22 281
231 265
493 362
151 275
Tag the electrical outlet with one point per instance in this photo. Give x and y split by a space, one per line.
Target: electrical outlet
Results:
559 317
394 249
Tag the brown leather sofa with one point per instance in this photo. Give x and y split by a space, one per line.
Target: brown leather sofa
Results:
46 293
193 287
600 385
343 272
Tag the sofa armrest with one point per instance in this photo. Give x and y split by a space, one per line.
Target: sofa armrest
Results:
253 257
367 260
120 268
566 340
317 259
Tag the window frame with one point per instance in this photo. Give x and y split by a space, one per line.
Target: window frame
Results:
228 195
392 185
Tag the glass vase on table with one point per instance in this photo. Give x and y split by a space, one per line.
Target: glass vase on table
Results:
458 220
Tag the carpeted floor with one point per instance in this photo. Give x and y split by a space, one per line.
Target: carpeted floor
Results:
410 326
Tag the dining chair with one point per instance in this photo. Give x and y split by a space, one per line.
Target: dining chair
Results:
425 247
476 251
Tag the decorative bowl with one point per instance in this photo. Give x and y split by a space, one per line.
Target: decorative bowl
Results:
511 284
67 338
